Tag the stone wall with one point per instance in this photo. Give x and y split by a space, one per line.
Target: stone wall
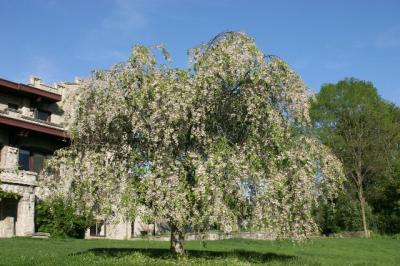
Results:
212 236
127 230
23 183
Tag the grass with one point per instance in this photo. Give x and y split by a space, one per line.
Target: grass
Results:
346 251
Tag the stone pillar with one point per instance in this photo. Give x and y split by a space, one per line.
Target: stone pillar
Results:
26 108
35 81
10 157
157 229
25 225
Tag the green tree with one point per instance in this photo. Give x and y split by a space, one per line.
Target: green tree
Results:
361 129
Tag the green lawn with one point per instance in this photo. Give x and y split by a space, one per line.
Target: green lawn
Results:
27 251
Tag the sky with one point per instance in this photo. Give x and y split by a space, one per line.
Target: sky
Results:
323 40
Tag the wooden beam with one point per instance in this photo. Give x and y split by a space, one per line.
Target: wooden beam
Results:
33 127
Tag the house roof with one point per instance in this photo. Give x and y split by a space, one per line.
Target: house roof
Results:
11 87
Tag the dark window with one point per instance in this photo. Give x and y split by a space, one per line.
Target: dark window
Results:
23 160
8 209
12 106
31 161
98 229
43 115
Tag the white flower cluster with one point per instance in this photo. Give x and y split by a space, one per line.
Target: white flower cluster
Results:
222 145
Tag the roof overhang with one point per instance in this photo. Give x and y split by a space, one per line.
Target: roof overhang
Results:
8 121
22 89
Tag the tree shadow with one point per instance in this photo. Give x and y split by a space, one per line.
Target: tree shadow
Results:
160 253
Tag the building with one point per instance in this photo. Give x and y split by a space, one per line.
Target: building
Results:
31 129
123 229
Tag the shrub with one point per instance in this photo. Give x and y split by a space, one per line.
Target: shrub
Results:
58 217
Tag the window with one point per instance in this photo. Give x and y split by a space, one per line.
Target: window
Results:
24 160
31 161
37 162
43 115
98 229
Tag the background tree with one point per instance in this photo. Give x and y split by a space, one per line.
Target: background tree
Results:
384 193
342 216
221 144
361 129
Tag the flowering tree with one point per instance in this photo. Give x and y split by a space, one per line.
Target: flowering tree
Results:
223 143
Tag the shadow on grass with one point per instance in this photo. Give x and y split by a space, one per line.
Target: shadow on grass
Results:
155 253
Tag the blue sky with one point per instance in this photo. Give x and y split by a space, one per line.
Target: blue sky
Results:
325 41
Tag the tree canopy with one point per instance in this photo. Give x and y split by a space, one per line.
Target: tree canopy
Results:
222 144
363 131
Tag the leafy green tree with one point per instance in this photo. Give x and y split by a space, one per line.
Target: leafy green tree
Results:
361 129
215 145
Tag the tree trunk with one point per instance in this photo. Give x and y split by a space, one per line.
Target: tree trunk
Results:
177 238
362 205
